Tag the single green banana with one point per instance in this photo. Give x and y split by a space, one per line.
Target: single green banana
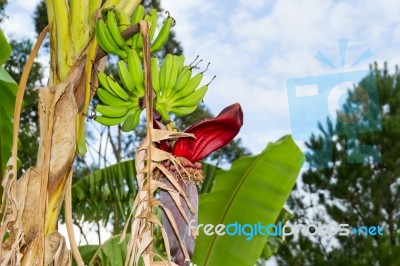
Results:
152 18
112 25
181 63
110 99
125 76
109 121
162 36
192 99
189 88
104 83
117 89
183 110
136 17
106 41
165 74
182 80
172 76
131 121
155 74
112 111
135 69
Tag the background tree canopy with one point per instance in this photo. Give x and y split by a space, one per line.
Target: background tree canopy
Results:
352 193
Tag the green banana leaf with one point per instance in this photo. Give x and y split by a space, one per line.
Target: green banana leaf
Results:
209 171
105 194
5 49
274 242
109 192
253 190
111 253
87 252
8 89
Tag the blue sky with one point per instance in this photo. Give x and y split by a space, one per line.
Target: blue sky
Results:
255 46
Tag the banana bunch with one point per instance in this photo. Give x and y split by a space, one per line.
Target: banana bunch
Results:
122 104
108 34
175 87
162 37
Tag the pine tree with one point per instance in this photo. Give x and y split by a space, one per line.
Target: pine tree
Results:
358 194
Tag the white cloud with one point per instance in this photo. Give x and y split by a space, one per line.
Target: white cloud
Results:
254 46
19 23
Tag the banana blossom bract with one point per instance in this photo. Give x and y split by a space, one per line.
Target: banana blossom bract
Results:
209 135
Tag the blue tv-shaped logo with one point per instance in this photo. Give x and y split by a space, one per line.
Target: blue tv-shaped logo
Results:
314 99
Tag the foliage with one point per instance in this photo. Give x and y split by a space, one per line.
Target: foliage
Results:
284 160
29 133
3 3
252 191
357 194
110 253
106 195
8 89
40 16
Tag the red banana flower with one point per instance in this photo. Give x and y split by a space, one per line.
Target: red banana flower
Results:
209 135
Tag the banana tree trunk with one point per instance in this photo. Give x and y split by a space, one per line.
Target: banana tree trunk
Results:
40 191
31 205
34 201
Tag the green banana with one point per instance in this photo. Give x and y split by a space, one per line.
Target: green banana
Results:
182 80
152 18
109 98
112 111
104 83
106 41
125 76
181 63
117 89
182 110
112 25
172 76
192 99
136 17
131 121
109 121
189 88
155 73
162 36
135 69
165 71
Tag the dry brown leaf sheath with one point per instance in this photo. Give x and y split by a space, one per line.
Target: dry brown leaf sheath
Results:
149 160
